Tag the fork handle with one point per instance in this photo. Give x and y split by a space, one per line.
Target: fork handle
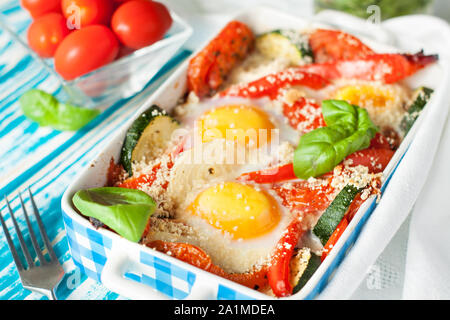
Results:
52 295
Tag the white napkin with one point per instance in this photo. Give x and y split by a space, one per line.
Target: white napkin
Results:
428 258
428 255
427 229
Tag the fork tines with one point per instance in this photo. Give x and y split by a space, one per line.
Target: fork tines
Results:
40 257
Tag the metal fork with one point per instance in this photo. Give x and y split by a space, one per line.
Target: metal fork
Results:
42 278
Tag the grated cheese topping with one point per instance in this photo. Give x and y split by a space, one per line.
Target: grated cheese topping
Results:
255 66
156 189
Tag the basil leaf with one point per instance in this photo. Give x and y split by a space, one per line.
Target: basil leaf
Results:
339 112
46 110
125 211
348 130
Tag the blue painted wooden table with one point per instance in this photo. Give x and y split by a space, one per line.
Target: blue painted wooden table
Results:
47 160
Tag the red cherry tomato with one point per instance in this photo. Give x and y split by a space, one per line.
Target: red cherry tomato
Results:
85 50
38 8
138 24
46 33
165 14
87 12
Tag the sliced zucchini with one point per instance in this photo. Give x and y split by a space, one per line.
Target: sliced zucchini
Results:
420 99
289 44
313 265
298 264
334 213
147 137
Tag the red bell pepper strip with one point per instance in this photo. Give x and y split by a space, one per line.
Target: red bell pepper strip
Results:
332 45
379 142
334 237
271 85
354 207
283 173
388 68
143 179
115 171
279 269
375 159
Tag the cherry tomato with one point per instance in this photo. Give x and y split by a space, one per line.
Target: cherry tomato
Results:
38 8
46 33
138 24
85 50
90 11
124 51
117 3
164 12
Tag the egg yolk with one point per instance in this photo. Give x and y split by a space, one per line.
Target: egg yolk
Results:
365 95
237 209
241 123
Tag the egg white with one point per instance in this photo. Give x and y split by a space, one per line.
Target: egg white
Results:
236 255
192 111
188 178
283 139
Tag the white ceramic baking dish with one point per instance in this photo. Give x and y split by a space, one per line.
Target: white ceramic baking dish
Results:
138 272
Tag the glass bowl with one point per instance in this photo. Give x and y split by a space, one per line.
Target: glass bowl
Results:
120 79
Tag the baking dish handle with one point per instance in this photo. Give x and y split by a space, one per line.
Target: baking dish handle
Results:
112 277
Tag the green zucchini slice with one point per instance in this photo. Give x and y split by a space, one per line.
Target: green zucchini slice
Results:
289 44
334 213
420 99
148 137
313 264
